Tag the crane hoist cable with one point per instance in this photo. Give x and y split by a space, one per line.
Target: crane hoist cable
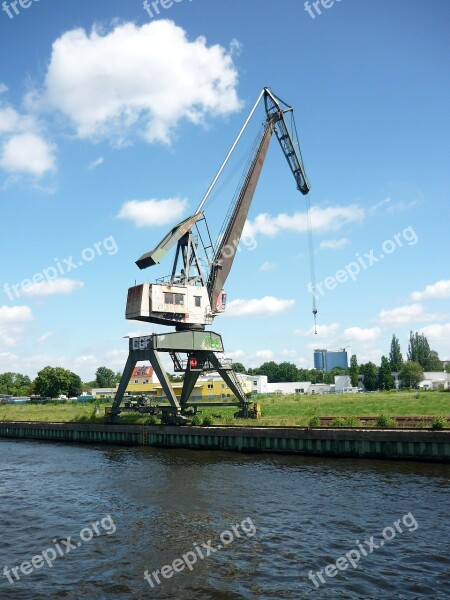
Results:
312 269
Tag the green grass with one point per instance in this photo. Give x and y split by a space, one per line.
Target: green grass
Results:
299 410
276 410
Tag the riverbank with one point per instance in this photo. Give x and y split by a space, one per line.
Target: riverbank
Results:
408 444
277 410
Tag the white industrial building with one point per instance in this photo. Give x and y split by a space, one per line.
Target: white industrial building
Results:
435 380
291 387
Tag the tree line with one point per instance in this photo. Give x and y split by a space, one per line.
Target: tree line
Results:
52 382
420 358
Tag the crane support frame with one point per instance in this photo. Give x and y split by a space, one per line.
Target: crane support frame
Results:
202 349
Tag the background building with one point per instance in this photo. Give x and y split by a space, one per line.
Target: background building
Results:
326 360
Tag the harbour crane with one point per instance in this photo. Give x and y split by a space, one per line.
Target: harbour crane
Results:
192 296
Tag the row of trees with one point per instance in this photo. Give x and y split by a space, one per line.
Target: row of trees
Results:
420 358
286 371
14 384
419 351
52 382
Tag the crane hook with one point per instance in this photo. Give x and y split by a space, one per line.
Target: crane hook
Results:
315 323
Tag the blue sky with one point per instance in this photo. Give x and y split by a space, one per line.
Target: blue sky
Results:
113 124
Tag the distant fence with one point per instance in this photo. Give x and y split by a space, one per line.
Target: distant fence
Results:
412 421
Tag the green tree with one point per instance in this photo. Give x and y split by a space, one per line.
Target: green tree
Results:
315 376
304 374
329 377
175 378
385 378
287 372
434 363
239 367
268 368
53 381
105 378
419 351
354 371
15 384
369 370
411 374
395 355
418 348
75 385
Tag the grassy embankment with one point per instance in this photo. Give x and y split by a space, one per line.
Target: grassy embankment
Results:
276 410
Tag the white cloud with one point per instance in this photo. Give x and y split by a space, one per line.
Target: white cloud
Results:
362 335
268 267
322 219
262 306
374 208
438 333
24 149
52 288
410 313
322 331
402 206
401 314
15 314
13 320
84 365
9 362
366 355
263 354
152 213
440 289
3 88
27 153
9 120
96 163
44 337
142 80
334 244
236 355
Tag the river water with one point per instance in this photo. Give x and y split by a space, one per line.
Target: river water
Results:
102 516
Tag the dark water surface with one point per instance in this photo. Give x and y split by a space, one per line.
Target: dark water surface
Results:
307 512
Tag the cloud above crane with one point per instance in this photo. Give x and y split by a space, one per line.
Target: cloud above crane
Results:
153 212
133 81
330 218
258 306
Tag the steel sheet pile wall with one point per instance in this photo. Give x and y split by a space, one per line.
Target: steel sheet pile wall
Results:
414 444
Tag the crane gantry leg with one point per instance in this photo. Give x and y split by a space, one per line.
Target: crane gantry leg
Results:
201 348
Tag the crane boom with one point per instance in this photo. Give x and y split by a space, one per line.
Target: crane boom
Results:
226 250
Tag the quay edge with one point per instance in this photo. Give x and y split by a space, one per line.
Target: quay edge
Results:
406 444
